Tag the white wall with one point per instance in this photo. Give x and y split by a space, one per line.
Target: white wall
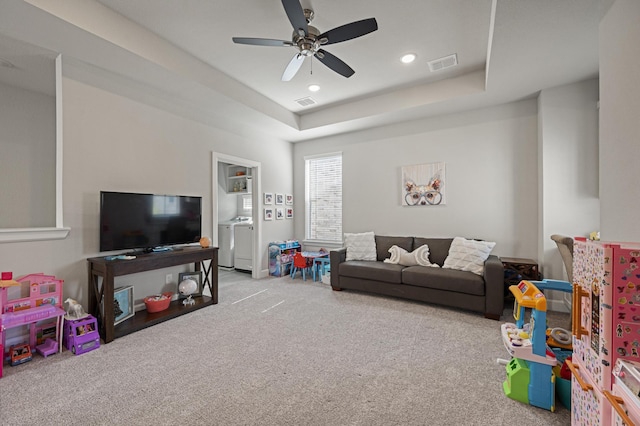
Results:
114 143
515 174
620 121
491 177
27 158
568 137
227 201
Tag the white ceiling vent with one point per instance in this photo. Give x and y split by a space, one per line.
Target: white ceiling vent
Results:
305 102
443 63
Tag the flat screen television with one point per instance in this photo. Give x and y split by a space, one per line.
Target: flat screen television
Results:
148 221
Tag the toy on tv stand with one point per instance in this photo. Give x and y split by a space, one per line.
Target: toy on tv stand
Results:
43 303
530 378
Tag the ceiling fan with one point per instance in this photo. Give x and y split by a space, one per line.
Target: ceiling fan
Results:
309 41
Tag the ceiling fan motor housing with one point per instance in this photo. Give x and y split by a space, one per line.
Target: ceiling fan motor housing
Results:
308 44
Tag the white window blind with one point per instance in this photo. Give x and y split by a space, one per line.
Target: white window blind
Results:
247 203
323 193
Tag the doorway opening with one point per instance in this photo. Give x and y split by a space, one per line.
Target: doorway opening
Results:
235 211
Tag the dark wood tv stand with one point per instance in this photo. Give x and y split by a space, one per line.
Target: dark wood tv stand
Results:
205 259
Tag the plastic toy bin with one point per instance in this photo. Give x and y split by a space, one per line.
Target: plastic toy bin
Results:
563 386
158 303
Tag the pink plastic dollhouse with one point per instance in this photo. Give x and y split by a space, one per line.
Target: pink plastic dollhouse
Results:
33 302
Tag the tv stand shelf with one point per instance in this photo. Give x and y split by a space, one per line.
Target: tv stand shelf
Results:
205 259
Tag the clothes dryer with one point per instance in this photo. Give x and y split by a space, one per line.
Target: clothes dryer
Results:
226 240
243 250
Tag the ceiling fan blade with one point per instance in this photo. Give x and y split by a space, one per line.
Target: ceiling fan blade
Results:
334 63
293 67
261 41
294 11
349 31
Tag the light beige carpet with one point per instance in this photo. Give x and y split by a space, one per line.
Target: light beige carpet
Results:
281 352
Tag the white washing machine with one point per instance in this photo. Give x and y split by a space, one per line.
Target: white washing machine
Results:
243 253
226 240
225 244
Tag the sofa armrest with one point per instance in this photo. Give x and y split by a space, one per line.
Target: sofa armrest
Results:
336 257
494 287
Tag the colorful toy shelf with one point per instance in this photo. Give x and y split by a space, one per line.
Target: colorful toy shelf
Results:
281 257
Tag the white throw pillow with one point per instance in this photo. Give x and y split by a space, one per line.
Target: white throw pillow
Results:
419 256
408 259
468 255
361 246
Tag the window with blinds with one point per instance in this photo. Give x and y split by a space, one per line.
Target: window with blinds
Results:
323 198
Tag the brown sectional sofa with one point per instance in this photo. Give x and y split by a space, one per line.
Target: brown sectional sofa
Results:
458 289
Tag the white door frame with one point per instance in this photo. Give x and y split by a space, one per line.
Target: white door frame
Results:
256 190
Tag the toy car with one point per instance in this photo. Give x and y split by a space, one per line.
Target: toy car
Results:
81 335
20 354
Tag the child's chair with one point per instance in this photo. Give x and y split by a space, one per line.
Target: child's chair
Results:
299 263
321 265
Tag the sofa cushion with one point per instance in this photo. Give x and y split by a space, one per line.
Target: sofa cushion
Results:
468 255
444 279
383 244
360 246
438 248
376 271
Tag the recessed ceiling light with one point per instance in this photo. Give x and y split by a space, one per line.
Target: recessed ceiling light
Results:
408 58
313 87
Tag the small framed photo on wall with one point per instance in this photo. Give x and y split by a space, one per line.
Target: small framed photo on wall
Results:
289 212
279 198
268 197
279 213
288 199
268 213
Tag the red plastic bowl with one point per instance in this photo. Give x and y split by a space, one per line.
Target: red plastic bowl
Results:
154 305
